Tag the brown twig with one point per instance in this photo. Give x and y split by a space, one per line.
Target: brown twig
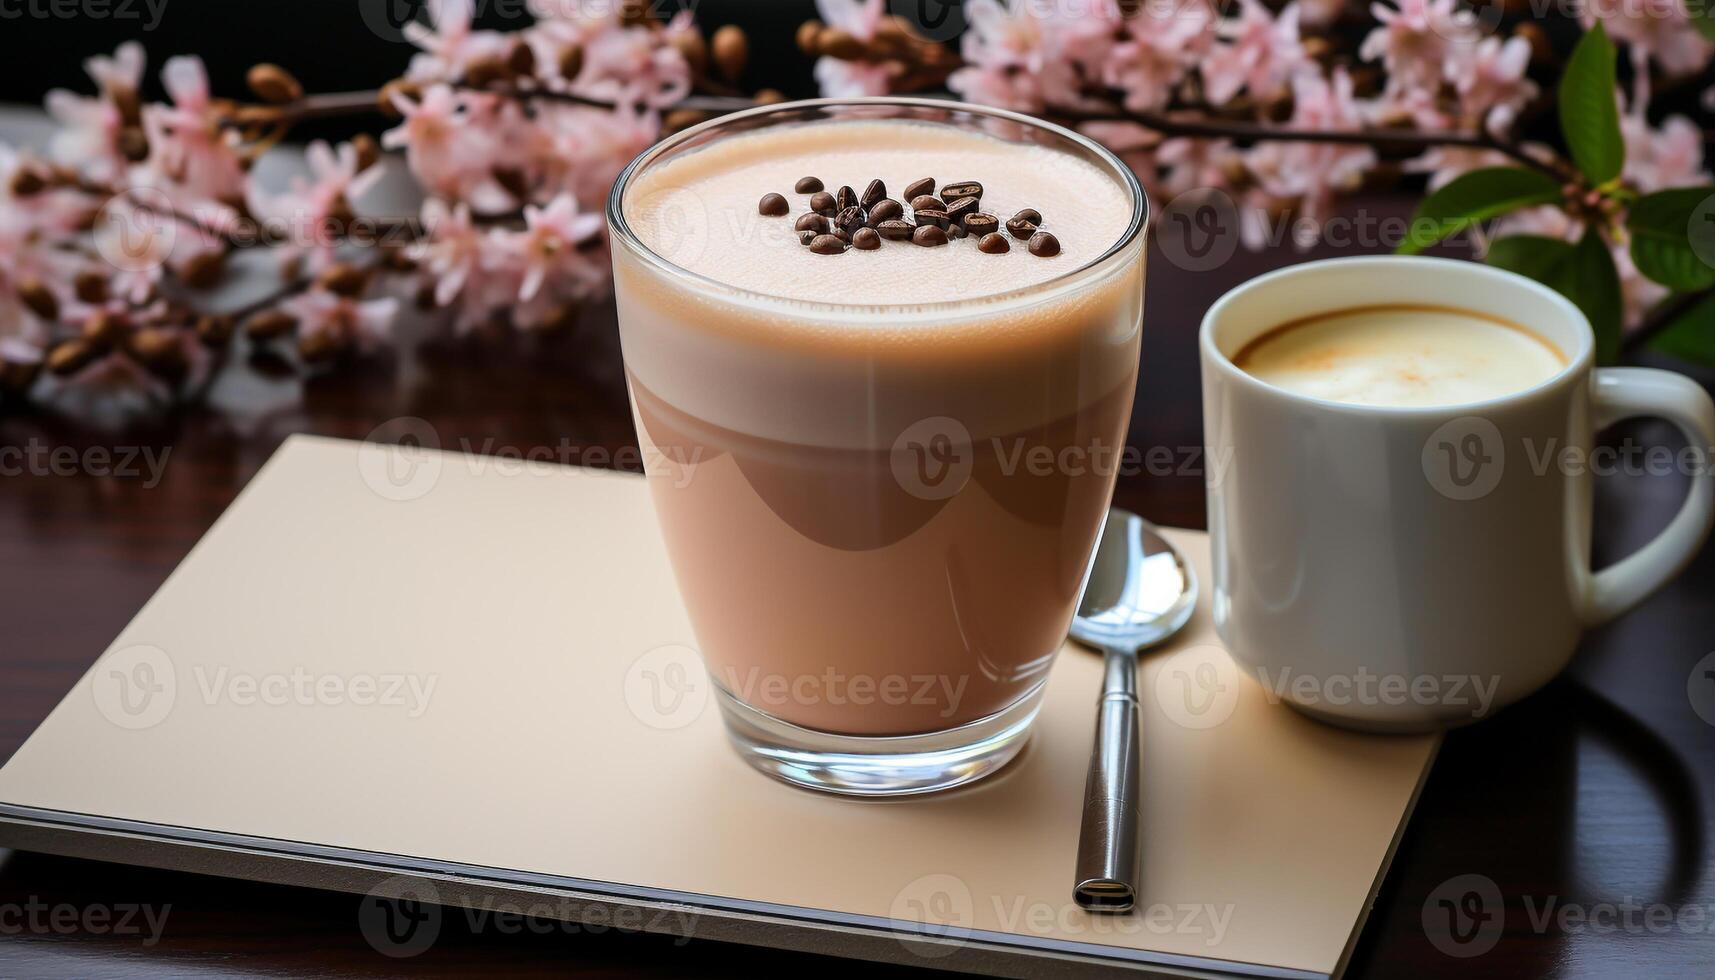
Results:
348 103
1260 132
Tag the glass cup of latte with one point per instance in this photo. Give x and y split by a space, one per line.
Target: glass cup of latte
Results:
881 355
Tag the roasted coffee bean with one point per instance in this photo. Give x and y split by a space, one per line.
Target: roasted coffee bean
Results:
886 209
1020 228
956 231
994 243
774 206
936 218
807 237
959 210
918 188
929 236
894 230
850 219
866 239
807 185
827 245
961 190
845 197
1044 244
927 202
873 193
1029 214
842 234
822 203
980 224
813 222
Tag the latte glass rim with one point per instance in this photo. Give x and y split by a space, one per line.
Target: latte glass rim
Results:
619 230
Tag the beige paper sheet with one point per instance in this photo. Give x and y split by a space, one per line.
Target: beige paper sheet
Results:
548 731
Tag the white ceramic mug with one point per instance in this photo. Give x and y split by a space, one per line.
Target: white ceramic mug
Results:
1402 569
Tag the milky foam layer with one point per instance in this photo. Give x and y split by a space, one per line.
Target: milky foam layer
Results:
912 332
699 211
1402 357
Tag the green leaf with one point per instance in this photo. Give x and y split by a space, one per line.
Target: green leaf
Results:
1691 335
1589 114
1583 273
1474 197
1593 283
1662 232
1534 256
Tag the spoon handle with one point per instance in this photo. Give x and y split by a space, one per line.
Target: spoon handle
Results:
1107 846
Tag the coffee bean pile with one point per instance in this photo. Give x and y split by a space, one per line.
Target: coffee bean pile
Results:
846 219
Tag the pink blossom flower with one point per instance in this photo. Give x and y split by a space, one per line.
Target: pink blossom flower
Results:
1311 173
452 46
1657 159
90 128
453 250
1156 47
1412 41
1657 30
1196 163
186 145
837 79
550 244
363 324
591 146
1260 53
1490 79
633 65
1026 58
859 18
449 155
307 211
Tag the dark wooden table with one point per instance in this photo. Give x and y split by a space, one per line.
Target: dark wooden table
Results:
1590 796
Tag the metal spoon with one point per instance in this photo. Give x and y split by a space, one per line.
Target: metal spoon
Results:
1140 591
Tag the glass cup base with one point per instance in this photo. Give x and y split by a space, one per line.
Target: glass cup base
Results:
894 765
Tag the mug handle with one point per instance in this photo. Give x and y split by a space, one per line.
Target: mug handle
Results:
1629 392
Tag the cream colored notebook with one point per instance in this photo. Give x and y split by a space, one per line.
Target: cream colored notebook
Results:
466 679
